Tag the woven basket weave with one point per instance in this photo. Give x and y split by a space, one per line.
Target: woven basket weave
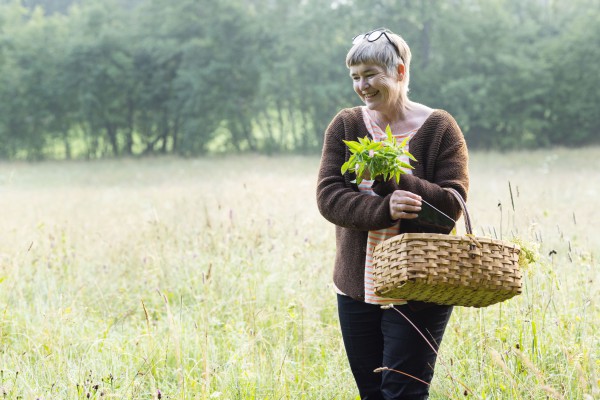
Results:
453 270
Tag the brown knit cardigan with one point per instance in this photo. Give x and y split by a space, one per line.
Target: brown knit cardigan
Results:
442 161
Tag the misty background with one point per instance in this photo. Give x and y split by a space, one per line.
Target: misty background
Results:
117 78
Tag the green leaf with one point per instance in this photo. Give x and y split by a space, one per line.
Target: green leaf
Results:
345 167
353 146
361 170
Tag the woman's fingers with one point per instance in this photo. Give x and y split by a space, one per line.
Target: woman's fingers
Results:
406 208
405 205
405 214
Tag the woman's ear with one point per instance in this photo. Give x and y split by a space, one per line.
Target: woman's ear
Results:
401 70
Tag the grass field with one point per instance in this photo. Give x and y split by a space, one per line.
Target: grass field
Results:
211 279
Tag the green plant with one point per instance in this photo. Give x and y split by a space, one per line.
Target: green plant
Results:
380 159
529 253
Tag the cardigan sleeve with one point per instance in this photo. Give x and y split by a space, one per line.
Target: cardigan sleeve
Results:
449 174
445 159
338 201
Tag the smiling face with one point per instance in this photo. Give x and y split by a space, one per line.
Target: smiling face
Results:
379 90
379 68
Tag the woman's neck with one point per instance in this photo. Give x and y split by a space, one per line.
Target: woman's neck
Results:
396 115
402 119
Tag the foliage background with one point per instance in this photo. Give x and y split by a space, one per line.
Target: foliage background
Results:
91 79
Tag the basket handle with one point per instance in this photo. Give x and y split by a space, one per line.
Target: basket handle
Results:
463 206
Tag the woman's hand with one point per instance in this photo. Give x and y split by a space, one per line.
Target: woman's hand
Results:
404 205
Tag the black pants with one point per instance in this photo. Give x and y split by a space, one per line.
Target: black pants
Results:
383 338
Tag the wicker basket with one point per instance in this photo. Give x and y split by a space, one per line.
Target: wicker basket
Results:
454 270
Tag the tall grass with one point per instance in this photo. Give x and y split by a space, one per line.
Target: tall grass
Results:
211 279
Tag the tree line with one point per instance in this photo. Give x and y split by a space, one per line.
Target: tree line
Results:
89 79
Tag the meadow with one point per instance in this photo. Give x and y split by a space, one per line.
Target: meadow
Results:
210 278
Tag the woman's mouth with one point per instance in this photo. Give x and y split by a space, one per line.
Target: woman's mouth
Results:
369 95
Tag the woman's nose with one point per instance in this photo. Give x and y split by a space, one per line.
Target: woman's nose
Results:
363 84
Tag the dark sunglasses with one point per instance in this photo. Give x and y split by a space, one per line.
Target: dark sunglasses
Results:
374 35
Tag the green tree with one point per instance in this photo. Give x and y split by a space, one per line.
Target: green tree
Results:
128 77
99 69
573 59
35 106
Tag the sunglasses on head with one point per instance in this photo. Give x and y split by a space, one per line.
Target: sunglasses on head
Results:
374 35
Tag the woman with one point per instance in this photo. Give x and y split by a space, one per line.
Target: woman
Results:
379 64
